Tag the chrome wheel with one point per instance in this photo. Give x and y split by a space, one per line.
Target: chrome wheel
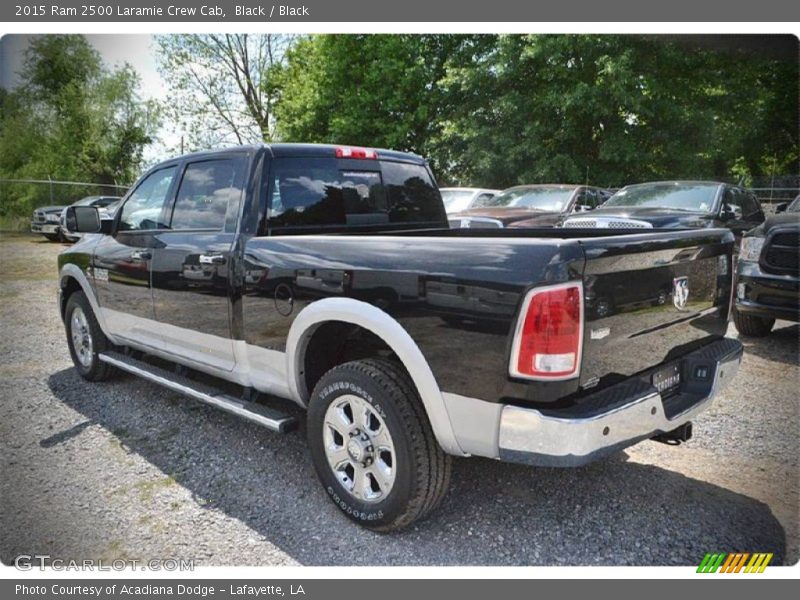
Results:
359 448
81 337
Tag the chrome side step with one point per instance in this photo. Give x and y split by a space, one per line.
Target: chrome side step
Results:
256 413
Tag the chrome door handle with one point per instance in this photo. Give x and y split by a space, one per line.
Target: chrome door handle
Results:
141 255
212 259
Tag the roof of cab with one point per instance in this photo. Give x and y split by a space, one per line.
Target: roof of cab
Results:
308 150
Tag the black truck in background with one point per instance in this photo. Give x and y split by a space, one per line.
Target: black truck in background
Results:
768 274
327 276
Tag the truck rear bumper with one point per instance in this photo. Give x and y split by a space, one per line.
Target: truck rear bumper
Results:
619 416
604 422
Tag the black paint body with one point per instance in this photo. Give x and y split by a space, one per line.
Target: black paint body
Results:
456 292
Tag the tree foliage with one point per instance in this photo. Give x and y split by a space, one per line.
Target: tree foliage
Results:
374 90
222 88
500 110
71 118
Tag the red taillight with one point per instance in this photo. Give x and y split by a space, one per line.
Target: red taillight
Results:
549 335
347 152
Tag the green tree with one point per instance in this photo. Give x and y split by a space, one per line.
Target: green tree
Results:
71 119
505 109
371 90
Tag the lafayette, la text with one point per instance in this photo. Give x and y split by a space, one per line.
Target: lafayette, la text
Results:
148 589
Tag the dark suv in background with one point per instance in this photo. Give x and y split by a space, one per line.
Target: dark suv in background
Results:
675 204
768 285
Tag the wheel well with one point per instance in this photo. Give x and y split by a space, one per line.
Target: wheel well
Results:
67 289
334 343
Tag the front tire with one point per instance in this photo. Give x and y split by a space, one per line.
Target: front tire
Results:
85 339
52 237
752 325
373 447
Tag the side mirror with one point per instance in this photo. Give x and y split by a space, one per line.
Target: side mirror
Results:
781 207
83 219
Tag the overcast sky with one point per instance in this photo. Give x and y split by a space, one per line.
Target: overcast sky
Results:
115 49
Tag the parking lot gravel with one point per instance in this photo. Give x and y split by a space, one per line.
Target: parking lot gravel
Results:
125 469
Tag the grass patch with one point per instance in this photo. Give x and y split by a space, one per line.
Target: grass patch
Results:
148 489
22 260
15 223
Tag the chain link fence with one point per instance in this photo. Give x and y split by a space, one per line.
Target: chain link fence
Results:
775 189
20 197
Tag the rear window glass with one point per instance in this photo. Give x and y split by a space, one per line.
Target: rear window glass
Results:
209 192
326 192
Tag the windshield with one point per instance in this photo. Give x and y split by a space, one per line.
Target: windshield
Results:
540 198
689 197
456 200
794 206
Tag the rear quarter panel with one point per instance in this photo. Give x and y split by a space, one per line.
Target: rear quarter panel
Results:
457 298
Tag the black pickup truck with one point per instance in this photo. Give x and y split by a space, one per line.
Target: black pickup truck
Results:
326 276
768 277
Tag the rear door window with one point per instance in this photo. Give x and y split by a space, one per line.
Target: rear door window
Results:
209 194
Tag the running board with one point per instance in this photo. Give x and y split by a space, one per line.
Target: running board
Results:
255 413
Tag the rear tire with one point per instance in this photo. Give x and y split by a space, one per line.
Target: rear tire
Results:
373 447
752 325
85 339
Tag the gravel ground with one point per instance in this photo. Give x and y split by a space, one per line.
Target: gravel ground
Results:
125 469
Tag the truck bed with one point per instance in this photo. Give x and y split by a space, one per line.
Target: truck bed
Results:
458 292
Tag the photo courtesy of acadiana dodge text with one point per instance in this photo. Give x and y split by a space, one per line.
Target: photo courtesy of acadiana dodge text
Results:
399 299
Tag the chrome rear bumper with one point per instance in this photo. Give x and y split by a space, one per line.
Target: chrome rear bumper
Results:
619 416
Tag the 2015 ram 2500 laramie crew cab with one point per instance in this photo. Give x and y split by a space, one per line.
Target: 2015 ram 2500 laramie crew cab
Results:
327 276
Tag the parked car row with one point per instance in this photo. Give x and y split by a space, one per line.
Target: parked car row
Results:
660 204
767 285
530 206
50 221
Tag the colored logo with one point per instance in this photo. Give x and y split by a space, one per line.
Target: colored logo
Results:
735 562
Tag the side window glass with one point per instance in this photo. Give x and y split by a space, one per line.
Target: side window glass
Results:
144 208
732 202
749 205
582 202
209 193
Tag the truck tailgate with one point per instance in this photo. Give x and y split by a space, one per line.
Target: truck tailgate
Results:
649 298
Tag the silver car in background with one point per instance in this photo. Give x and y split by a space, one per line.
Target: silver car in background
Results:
457 199
106 206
